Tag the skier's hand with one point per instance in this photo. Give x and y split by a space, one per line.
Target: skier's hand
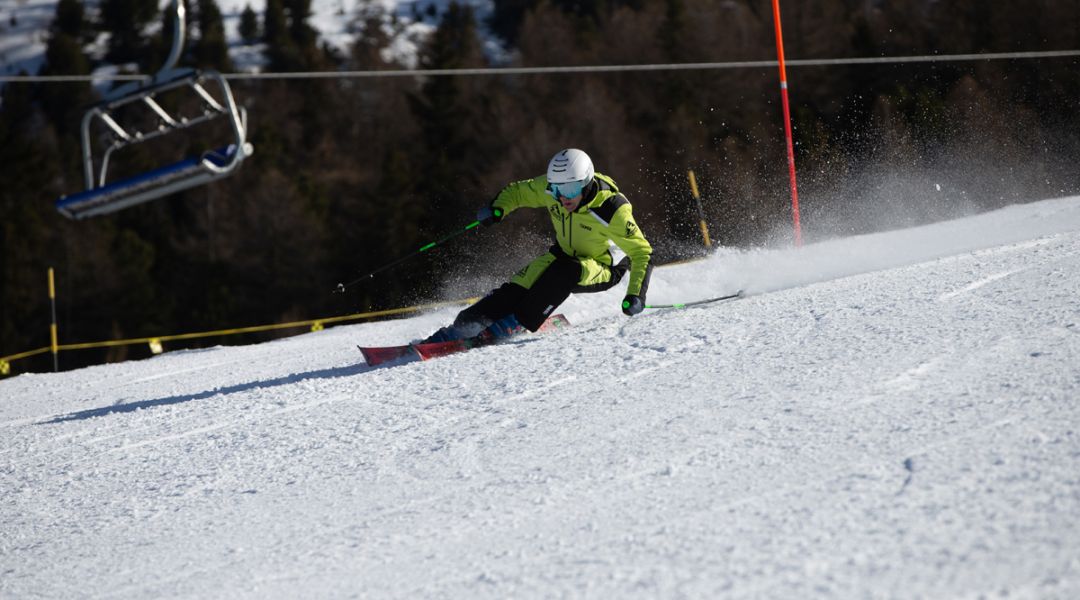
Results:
487 215
632 305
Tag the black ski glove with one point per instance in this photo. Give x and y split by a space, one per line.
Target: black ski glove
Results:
632 305
487 215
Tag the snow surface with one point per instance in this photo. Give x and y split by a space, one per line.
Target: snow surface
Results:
890 415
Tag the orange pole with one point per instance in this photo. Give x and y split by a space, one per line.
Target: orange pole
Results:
787 122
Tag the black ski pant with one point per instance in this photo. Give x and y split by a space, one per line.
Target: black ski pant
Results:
531 306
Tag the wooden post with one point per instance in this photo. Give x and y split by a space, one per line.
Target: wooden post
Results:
700 210
52 327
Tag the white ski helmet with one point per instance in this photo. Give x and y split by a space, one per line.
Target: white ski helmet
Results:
569 172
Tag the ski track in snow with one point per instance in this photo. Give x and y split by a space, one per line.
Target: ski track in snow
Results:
891 415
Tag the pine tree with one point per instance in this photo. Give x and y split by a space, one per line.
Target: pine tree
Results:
290 39
507 16
672 37
249 25
27 236
125 21
279 47
70 20
211 49
446 115
301 32
370 41
63 102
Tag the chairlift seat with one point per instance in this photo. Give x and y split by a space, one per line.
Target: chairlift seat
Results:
142 99
147 186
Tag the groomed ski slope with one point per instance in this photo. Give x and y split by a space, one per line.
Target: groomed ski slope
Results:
890 415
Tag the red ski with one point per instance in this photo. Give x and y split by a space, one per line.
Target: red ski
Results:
384 354
379 355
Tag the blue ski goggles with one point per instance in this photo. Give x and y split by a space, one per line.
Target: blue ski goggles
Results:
570 189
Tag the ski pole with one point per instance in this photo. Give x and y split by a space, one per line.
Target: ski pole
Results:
697 302
340 289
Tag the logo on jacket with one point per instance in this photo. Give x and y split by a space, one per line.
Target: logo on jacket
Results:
631 229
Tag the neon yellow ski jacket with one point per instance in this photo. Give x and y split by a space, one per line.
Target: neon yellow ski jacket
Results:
588 231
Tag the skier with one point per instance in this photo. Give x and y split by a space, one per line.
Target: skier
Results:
588 213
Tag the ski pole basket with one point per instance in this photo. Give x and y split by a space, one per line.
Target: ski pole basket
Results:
134 114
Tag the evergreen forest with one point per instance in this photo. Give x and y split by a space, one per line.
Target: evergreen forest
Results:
350 173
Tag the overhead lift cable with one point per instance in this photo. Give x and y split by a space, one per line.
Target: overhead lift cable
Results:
815 62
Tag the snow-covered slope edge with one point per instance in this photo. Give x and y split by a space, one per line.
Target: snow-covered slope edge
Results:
890 415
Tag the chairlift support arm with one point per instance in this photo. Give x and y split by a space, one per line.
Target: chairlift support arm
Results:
101 197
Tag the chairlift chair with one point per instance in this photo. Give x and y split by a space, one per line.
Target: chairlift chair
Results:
102 196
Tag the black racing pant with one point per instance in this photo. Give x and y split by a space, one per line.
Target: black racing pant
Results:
534 305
